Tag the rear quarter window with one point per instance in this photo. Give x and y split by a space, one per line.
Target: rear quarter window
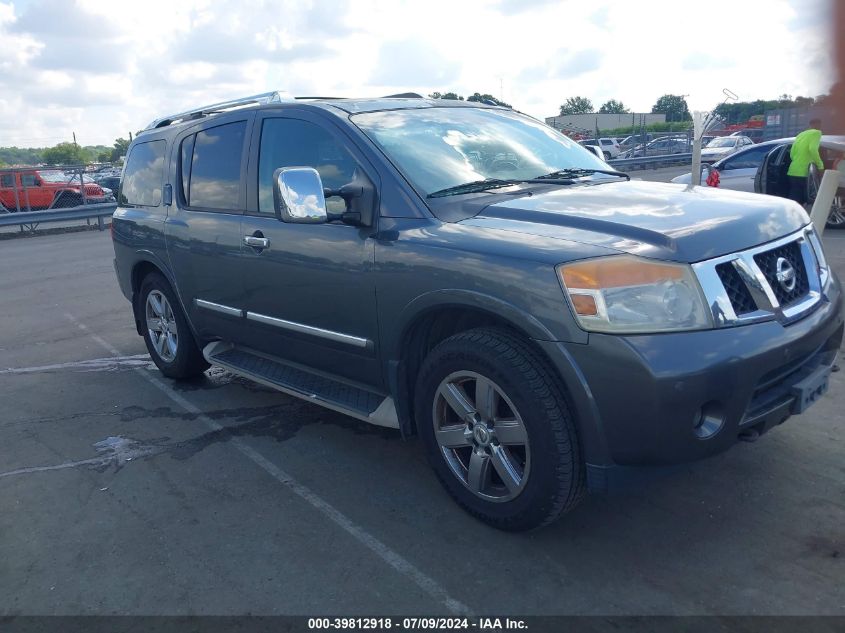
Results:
143 176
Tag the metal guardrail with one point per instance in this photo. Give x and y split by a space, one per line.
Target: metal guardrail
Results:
34 218
652 162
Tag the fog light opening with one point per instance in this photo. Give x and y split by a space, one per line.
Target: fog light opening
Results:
708 421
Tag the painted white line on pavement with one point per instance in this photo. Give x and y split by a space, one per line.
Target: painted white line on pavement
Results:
388 555
112 363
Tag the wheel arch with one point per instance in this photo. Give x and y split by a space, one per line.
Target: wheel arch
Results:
147 262
435 316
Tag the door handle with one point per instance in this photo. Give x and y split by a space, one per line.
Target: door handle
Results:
256 242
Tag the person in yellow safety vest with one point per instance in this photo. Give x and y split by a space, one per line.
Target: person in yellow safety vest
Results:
805 150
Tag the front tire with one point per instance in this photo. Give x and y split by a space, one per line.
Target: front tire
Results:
498 431
166 332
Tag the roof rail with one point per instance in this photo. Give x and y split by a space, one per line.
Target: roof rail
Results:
266 97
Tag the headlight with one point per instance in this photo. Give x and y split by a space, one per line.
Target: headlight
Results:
821 262
626 294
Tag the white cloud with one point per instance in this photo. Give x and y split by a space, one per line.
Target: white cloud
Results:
103 68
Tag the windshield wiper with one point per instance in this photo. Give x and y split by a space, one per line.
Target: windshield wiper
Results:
474 186
575 172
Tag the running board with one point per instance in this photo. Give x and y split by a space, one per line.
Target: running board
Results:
296 381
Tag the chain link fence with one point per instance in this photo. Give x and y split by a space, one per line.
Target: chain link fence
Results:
27 189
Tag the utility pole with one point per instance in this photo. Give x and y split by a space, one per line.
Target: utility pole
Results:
74 138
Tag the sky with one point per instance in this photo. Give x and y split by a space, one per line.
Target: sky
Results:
103 68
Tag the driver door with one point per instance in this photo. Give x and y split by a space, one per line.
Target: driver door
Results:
737 172
309 293
771 176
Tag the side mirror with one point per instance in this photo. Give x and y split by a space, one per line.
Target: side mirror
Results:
298 195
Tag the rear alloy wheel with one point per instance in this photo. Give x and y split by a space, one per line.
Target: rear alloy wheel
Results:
161 326
498 431
836 219
166 332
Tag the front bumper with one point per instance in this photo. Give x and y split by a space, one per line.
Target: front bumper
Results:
639 398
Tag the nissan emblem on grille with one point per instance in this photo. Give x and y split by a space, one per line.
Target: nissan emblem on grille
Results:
785 274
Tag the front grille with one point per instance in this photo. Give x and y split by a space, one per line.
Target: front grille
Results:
738 292
768 264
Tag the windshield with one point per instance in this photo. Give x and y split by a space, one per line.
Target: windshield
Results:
53 176
722 142
439 148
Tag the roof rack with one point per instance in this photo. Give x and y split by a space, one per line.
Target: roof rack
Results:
197 113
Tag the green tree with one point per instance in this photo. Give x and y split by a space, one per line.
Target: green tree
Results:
64 154
576 105
674 107
120 147
612 106
446 95
487 98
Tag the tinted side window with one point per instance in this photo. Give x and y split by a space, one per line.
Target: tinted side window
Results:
293 143
143 175
215 177
186 152
7 180
749 159
29 180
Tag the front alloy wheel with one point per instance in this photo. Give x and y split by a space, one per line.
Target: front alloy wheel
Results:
498 430
481 436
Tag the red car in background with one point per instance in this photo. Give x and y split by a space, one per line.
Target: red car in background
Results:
38 189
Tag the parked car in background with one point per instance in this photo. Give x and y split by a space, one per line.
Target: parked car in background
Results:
723 146
39 189
754 133
658 147
109 182
609 147
629 142
738 171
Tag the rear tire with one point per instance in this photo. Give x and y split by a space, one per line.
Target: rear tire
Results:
836 219
524 430
167 334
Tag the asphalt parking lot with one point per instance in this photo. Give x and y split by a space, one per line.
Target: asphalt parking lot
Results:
126 493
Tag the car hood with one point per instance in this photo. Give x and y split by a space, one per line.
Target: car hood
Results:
661 220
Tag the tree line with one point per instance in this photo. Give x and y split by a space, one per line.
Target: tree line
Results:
673 106
64 154
676 109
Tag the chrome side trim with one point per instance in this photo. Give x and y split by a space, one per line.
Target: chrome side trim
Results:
761 291
217 307
338 337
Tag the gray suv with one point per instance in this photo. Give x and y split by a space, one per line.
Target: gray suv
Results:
467 274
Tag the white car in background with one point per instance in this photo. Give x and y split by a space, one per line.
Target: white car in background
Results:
723 146
609 146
